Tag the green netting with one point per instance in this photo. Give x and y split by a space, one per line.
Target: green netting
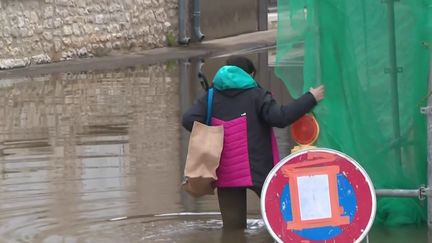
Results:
372 107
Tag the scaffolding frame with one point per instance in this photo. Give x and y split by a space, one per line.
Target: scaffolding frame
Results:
423 192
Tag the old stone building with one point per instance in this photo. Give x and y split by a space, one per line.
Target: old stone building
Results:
43 31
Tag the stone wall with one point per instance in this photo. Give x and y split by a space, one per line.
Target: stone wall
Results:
43 31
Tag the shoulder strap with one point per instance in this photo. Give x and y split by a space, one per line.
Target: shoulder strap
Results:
209 106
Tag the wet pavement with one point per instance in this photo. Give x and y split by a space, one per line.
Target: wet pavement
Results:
116 60
97 156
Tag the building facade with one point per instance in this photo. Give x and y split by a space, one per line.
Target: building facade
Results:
43 31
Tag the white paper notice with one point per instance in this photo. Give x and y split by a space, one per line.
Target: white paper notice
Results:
314 197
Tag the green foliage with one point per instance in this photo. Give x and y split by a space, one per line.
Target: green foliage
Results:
171 39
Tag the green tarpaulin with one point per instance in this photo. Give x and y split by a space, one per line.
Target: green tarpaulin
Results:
373 58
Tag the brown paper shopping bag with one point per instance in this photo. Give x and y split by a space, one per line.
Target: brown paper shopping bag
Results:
204 151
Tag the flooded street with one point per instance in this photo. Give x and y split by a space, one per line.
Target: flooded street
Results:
99 156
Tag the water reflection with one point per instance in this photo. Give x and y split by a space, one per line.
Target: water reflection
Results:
80 149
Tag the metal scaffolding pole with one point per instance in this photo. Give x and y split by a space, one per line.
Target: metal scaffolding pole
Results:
428 111
393 70
420 193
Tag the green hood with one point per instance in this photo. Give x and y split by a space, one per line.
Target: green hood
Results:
232 77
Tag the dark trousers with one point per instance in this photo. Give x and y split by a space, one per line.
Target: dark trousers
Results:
233 206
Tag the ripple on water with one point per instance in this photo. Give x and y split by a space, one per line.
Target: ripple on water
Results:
180 227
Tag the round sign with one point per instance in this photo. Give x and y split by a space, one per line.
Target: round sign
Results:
305 130
318 195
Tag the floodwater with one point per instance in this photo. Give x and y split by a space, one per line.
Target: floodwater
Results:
98 156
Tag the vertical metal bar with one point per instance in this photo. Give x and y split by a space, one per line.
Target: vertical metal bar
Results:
317 40
198 35
263 68
394 76
429 137
262 15
312 13
182 38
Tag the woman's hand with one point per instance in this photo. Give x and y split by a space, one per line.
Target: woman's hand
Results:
318 92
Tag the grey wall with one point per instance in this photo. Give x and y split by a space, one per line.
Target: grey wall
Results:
221 18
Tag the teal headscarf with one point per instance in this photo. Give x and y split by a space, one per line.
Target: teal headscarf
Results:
233 77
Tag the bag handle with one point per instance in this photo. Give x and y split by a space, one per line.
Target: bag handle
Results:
209 106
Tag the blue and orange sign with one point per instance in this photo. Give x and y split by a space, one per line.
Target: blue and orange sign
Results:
314 196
